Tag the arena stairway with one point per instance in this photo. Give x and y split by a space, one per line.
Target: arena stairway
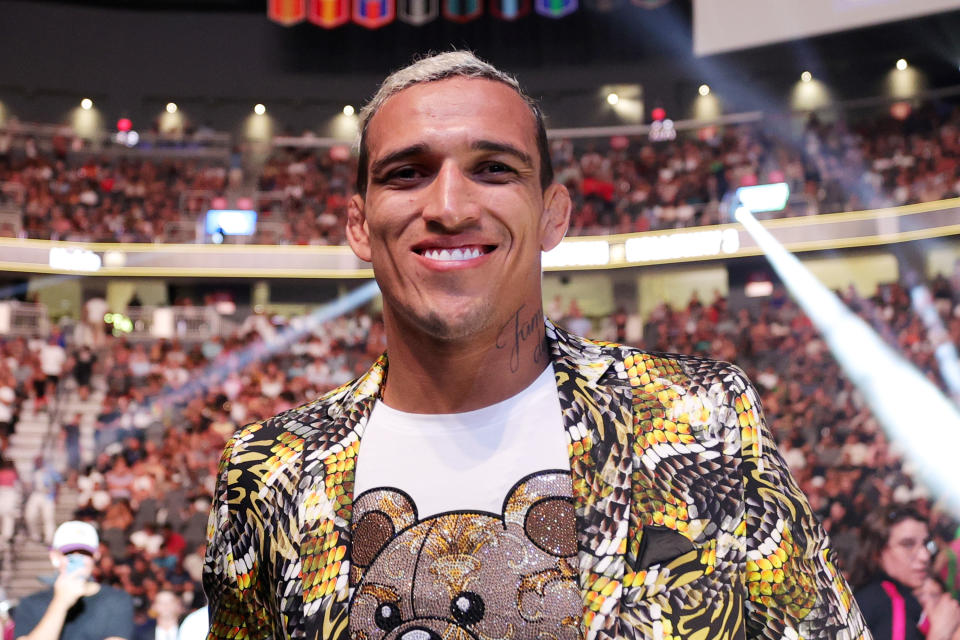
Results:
26 561
28 440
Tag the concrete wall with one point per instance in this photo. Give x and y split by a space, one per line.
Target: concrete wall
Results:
675 285
864 272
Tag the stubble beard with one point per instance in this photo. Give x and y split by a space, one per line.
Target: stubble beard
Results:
447 329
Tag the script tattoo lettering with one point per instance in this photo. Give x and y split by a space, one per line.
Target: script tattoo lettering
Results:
517 331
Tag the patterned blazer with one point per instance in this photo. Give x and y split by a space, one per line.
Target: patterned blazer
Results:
689 524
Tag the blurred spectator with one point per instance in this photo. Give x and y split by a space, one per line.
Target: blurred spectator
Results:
84 359
10 495
71 441
164 621
75 608
895 562
52 358
38 512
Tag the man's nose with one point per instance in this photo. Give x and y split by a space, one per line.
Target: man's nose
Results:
451 199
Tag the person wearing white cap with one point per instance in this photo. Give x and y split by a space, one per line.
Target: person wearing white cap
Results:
76 607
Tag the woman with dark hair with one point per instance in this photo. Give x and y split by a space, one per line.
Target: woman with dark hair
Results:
894 561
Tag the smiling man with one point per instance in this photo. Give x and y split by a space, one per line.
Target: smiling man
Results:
501 478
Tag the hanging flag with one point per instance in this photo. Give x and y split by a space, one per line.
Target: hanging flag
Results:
418 12
462 10
556 8
509 9
373 14
287 12
328 13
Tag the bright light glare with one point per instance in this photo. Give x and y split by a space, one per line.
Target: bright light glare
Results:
348 110
902 64
171 107
704 90
259 109
612 98
86 104
806 76
764 197
911 409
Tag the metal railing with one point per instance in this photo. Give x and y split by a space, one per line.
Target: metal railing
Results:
187 324
21 319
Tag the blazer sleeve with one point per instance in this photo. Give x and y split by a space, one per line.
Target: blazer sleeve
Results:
793 586
231 567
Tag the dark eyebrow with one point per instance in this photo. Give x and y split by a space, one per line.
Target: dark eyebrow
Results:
421 149
502 147
400 154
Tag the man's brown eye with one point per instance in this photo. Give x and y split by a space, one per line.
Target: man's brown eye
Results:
407 173
496 169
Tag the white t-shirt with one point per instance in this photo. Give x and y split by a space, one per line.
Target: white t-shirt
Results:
469 460
464 524
52 357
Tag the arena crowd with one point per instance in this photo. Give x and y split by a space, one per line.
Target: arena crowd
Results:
168 409
619 185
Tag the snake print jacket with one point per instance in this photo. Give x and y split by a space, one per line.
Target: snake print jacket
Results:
689 523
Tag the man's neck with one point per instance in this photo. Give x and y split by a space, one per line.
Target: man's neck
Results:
427 375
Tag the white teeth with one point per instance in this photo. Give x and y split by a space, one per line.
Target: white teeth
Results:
452 255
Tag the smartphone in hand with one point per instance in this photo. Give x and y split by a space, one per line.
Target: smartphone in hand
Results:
76 563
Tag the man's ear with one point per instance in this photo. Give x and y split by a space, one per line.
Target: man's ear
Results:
556 216
358 233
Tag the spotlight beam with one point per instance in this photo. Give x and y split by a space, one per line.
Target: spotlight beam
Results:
916 415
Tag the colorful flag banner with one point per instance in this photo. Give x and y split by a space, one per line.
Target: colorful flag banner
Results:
509 9
555 8
418 12
287 12
373 14
328 13
462 10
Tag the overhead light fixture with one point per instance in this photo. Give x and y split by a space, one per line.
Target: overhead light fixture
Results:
86 104
704 90
806 76
171 107
348 110
259 109
902 64
613 99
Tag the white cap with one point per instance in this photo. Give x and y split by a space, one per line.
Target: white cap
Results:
75 535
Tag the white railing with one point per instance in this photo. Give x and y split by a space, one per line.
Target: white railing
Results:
187 324
21 319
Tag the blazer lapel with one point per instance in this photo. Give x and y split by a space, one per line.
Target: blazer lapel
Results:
329 465
597 415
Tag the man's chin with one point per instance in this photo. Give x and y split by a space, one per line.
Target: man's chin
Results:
452 327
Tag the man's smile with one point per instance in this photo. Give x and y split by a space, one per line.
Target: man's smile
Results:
452 254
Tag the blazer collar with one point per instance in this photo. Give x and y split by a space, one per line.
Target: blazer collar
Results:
597 409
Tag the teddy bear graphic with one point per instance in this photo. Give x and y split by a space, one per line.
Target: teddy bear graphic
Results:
467 575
